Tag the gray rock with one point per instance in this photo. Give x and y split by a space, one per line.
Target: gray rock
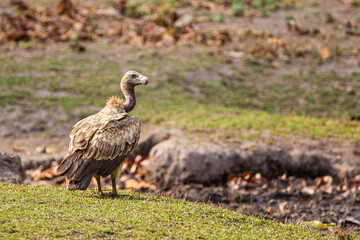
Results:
175 161
145 145
357 148
179 161
10 168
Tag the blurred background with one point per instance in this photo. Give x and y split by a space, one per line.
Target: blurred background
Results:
279 78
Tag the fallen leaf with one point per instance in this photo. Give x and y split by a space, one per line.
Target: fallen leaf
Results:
108 12
275 64
136 185
276 42
283 177
136 164
318 224
284 208
326 188
309 190
344 187
236 54
324 180
17 149
324 53
269 210
41 149
245 175
210 5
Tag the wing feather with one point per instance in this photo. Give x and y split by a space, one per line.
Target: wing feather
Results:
103 141
116 135
85 129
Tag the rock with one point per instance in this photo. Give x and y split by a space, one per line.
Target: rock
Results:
270 163
180 161
44 161
311 165
41 149
175 161
357 148
10 168
154 138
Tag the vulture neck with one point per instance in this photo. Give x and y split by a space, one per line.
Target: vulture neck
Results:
130 99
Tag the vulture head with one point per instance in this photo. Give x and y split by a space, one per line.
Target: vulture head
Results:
132 79
128 83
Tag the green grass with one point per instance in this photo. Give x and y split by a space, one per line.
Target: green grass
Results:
231 106
34 212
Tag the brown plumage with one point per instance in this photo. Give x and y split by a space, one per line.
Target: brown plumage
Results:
100 143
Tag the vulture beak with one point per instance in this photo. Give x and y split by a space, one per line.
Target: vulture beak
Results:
144 80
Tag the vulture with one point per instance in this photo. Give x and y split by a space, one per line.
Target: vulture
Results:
100 143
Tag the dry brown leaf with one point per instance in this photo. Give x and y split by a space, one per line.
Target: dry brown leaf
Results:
136 164
133 38
275 64
257 176
237 54
257 33
17 149
67 6
210 5
245 175
355 181
327 189
324 180
308 190
344 187
324 53
108 12
284 177
50 150
276 41
41 149
136 185
284 208
232 177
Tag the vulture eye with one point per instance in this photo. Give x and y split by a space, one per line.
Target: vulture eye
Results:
133 75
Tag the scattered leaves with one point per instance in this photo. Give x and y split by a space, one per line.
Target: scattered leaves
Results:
132 175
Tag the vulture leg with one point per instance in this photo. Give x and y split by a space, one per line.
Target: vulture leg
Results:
67 182
97 177
114 174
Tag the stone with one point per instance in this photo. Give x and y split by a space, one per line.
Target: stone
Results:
176 161
179 161
145 145
10 168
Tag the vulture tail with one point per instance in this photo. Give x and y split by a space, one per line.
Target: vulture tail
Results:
67 164
80 185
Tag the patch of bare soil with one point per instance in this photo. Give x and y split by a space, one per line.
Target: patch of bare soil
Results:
287 199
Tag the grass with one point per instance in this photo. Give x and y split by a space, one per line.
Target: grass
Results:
314 105
28 212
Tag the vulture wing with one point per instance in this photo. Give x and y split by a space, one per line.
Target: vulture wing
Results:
99 144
